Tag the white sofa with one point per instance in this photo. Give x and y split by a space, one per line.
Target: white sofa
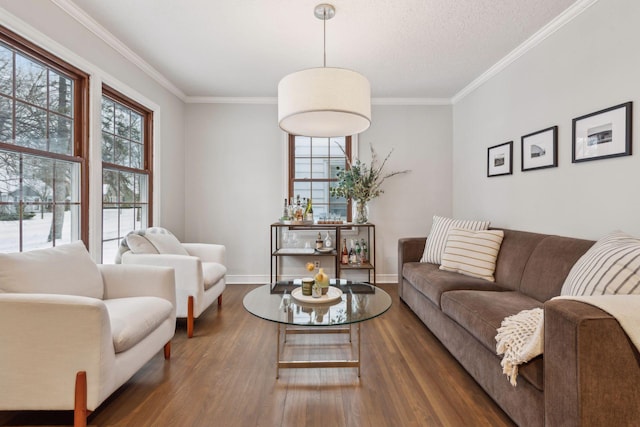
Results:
72 332
199 268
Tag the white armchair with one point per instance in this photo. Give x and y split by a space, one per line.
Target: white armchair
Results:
72 332
199 268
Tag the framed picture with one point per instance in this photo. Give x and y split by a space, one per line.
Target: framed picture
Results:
500 159
603 134
540 149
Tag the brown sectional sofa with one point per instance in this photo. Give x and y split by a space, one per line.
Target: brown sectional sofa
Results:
589 374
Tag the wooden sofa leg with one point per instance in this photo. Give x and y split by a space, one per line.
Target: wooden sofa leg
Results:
219 300
80 412
190 317
167 351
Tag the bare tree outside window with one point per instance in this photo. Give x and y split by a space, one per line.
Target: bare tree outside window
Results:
126 166
41 177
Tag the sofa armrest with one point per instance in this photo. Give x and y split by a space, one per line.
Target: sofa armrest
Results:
122 281
45 339
591 368
188 269
410 249
207 252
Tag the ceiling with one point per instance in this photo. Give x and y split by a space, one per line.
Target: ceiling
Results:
242 48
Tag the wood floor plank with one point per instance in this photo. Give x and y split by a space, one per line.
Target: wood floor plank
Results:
225 376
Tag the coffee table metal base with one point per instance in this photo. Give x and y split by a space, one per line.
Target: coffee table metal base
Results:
298 364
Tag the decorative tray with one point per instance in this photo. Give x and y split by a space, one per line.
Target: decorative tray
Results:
333 294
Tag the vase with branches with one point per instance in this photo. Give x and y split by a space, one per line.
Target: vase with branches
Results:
362 183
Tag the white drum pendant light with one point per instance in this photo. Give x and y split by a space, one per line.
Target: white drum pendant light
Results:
324 102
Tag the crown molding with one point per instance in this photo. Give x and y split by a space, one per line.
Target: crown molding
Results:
274 100
92 25
411 101
558 22
230 100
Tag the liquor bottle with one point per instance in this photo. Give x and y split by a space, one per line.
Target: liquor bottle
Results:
358 253
365 252
299 214
308 214
344 258
319 241
285 210
352 254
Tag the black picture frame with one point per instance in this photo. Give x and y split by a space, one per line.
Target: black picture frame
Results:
539 150
500 159
603 134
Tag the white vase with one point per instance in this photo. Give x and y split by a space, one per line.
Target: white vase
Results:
360 214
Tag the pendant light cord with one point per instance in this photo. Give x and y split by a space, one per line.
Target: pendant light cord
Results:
324 39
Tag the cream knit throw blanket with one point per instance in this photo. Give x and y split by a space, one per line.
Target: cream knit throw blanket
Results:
521 336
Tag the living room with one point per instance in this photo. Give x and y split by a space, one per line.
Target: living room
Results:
220 162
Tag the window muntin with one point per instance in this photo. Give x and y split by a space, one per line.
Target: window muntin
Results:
126 176
313 167
42 145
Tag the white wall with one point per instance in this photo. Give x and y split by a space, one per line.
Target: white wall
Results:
234 179
588 65
234 157
53 29
421 139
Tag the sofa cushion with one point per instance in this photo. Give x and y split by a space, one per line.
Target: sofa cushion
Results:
549 265
132 319
481 313
472 253
515 250
65 269
438 236
212 272
430 281
140 245
611 266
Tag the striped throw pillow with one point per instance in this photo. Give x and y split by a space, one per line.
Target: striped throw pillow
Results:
438 236
472 253
610 266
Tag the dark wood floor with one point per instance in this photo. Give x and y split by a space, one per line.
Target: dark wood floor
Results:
225 376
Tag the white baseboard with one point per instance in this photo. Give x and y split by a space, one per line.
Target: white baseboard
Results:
261 279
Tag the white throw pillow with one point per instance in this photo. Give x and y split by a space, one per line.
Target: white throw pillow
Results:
65 269
438 236
166 244
140 245
472 253
610 266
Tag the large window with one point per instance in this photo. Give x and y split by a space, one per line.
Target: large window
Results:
43 144
126 169
313 167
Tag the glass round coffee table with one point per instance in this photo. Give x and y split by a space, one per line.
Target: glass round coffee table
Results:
358 303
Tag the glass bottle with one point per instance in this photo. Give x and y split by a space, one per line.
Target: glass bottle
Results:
308 214
285 211
358 253
299 214
352 254
344 258
365 252
319 242
328 243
